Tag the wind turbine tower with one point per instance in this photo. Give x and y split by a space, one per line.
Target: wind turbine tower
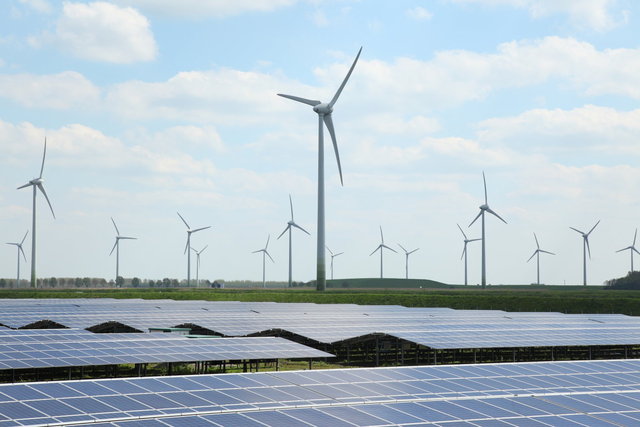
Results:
464 252
20 250
537 253
291 224
485 208
324 111
198 264
406 263
37 183
332 257
188 245
381 248
116 246
265 253
585 249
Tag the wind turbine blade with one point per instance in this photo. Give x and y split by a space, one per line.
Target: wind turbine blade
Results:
328 121
114 247
575 229
194 250
186 247
41 187
344 82
259 250
25 236
23 255
387 247
536 237
291 206
185 222
460 228
623 249
269 257
300 228
405 251
634 237
376 250
484 180
463 251
635 250
473 240
115 226
202 250
496 215
44 154
586 239
339 253
200 229
534 254
593 228
127 238
267 245
328 249
415 250
381 236
24 186
283 231
476 218
546 252
311 102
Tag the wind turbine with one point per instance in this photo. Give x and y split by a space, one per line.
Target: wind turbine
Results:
464 252
631 249
20 250
381 248
537 253
198 264
264 253
188 245
406 264
291 224
332 257
324 111
116 246
585 249
37 183
485 208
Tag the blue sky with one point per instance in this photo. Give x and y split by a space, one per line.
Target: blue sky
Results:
157 106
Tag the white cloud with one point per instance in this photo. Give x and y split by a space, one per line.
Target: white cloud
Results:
419 14
65 90
102 32
41 6
197 9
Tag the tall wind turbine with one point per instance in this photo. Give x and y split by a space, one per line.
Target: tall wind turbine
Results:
291 224
198 264
37 183
188 245
406 263
381 248
485 208
116 246
265 252
324 111
464 252
537 253
20 250
332 257
585 249
631 249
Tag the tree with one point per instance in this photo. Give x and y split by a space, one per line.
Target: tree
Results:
53 282
77 282
119 281
630 281
135 282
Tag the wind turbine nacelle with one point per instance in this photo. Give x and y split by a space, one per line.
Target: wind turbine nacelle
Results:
36 181
484 207
323 108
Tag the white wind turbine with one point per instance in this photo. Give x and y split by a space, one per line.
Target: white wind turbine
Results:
537 253
37 183
332 257
464 252
291 224
20 250
381 248
585 249
324 111
631 249
188 245
116 247
198 264
406 264
485 208
265 253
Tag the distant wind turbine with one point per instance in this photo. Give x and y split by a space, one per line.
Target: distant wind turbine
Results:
406 264
464 252
37 183
332 257
324 111
537 253
585 249
291 224
198 264
265 253
116 246
188 245
631 249
485 208
381 248
20 250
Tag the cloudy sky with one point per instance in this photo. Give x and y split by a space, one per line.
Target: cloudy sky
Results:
156 106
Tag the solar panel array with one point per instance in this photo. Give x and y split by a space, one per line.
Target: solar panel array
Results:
439 328
592 393
61 348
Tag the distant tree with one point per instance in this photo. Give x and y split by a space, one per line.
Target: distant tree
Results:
175 283
111 283
630 281
86 282
53 282
3 283
77 282
119 281
135 282
166 282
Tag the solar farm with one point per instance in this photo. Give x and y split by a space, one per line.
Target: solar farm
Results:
99 362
